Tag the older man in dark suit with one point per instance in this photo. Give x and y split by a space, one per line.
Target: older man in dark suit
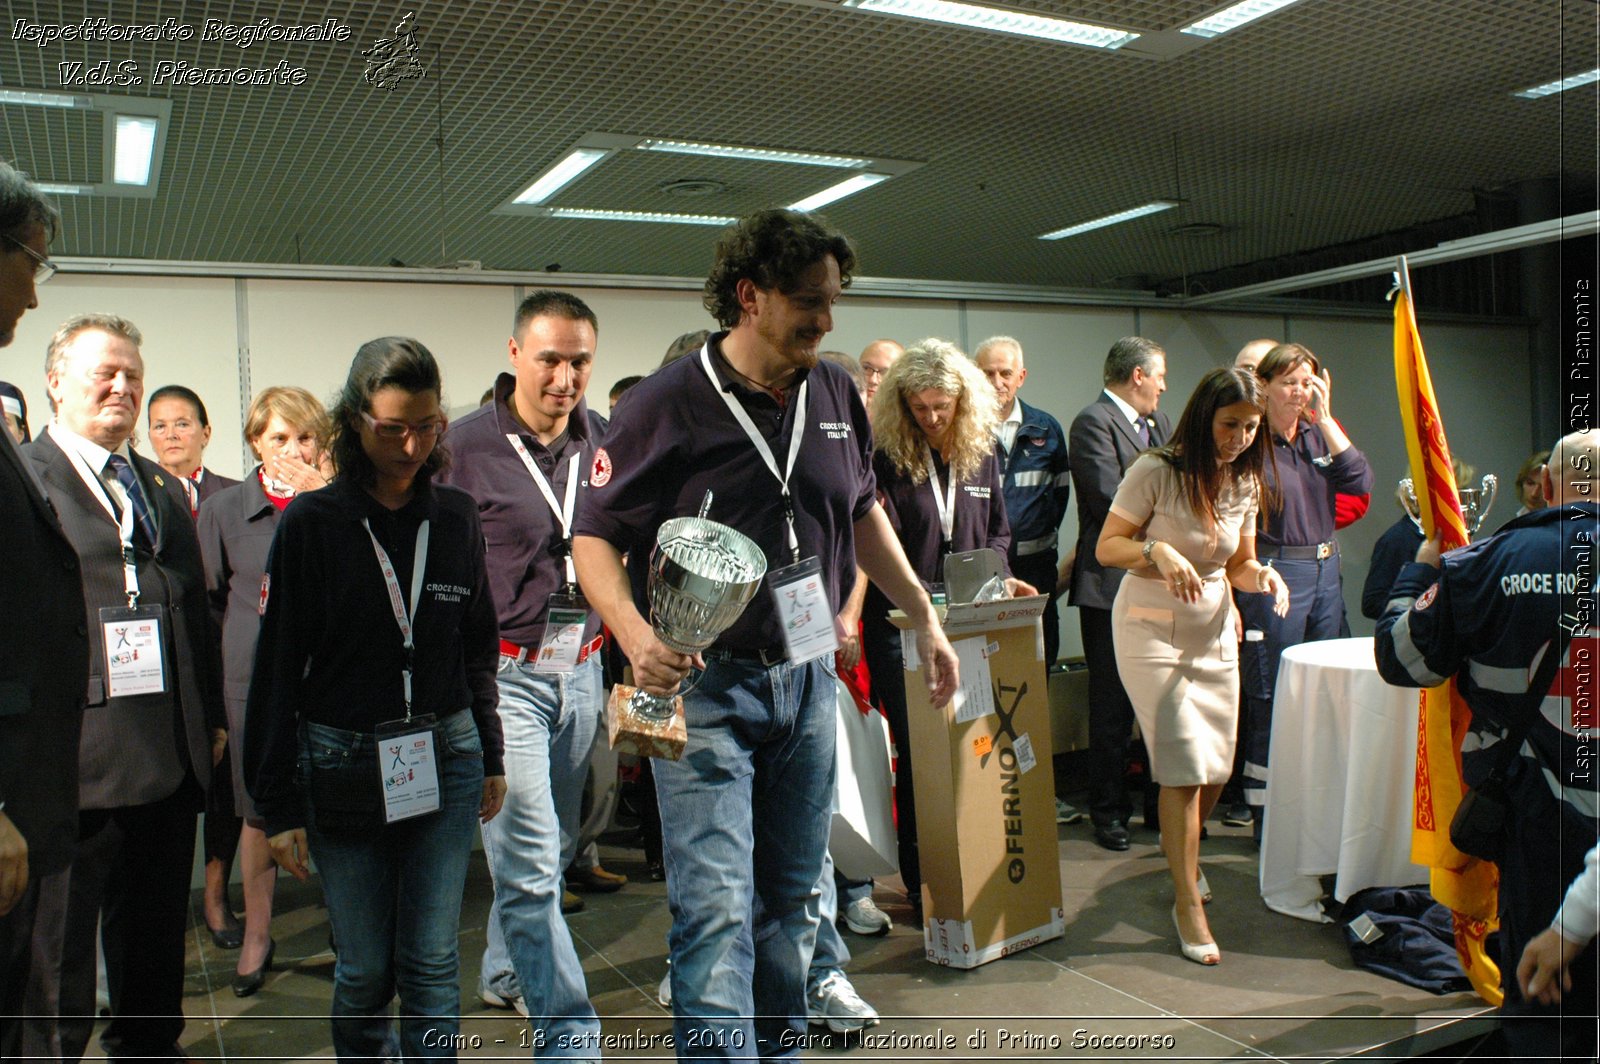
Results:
1105 438
44 658
150 734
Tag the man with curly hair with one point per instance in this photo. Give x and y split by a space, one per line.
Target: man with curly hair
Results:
782 442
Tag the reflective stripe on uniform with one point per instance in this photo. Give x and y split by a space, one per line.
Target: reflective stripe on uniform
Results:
1034 546
1032 479
1406 652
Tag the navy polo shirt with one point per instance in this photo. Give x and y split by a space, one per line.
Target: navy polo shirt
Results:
676 440
1303 481
980 519
523 535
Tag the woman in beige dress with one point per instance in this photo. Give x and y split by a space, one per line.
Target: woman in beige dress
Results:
1184 522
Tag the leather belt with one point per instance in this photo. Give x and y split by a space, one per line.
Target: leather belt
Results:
1315 552
767 656
522 654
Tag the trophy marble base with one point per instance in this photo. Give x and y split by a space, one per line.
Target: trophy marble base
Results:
633 734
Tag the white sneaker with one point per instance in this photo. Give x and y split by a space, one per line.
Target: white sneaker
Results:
496 1001
1067 814
835 1003
865 918
664 991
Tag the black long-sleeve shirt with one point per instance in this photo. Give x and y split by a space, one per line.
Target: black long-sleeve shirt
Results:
330 651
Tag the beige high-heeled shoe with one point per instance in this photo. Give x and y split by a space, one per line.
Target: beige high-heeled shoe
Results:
1205 953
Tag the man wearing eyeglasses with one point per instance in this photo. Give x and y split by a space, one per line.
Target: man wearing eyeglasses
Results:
154 725
525 457
44 658
876 358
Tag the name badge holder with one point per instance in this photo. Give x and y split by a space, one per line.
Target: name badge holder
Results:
799 594
567 614
408 748
133 637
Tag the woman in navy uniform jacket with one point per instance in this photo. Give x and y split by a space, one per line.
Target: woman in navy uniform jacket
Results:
378 553
934 412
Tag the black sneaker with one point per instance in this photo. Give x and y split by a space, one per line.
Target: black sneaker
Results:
1238 815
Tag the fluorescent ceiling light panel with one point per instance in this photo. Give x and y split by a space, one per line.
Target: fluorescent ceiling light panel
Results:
55 189
136 145
29 98
584 214
1231 18
761 155
848 187
1550 88
1111 219
998 20
561 174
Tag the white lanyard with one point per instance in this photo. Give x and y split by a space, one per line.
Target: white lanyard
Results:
945 503
796 431
397 602
563 512
124 520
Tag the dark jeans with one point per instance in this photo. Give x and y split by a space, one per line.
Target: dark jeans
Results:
394 900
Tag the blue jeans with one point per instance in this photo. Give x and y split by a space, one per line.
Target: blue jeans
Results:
394 899
549 722
745 818
830 954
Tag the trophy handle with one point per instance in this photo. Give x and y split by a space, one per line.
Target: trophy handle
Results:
1491 488
1408 501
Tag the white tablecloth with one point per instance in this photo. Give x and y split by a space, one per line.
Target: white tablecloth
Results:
1344 755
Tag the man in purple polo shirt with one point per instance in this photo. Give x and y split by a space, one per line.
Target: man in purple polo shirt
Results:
525 457
783 442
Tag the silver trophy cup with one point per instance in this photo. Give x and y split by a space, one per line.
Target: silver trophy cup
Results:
1475 502
702 576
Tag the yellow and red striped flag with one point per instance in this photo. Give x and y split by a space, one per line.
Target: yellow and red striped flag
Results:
1466 885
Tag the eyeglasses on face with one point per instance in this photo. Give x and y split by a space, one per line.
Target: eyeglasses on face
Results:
398 430
43 268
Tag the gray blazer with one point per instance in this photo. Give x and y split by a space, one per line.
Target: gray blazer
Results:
136 750
1101 445
44 664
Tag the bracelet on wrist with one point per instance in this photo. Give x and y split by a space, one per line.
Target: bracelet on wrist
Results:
1261 579
1149 545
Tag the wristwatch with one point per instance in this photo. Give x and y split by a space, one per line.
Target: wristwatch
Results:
1149 545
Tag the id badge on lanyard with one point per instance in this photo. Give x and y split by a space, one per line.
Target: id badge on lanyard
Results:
408 765
567 614
565 621
407 749
132 636
804 614
135 657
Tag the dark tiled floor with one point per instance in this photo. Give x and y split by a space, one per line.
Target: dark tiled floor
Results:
1114 988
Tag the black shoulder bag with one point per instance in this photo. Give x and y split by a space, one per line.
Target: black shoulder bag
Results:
1480 821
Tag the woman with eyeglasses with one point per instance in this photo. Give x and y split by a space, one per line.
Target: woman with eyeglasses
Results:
371 738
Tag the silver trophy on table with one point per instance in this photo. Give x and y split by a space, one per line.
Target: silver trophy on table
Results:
1475 502
702 576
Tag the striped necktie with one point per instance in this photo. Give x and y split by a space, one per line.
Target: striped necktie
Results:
143 521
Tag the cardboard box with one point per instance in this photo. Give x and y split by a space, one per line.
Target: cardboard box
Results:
985 792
